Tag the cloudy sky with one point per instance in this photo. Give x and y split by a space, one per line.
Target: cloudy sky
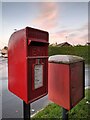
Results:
65 21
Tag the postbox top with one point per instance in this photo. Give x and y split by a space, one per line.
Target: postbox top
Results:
36 34
30 35
66 59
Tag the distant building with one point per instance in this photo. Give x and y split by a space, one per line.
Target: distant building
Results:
4 51
64 44
88 43
54 44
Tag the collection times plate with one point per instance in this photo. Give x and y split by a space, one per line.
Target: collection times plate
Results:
38 76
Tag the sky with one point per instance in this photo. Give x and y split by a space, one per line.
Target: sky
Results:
65 21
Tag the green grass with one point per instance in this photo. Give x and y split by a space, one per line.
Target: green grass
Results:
82 51
79 112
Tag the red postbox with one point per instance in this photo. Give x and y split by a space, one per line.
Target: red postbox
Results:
28 64
66 80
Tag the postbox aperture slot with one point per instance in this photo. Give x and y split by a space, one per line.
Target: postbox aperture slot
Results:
38 76
35 43
37 49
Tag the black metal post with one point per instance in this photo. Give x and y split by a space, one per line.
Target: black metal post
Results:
26 111
65 114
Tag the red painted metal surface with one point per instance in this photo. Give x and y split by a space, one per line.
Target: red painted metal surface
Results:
66 82
59 84
77 82
26 48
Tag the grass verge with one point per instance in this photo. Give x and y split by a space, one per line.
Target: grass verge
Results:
79 112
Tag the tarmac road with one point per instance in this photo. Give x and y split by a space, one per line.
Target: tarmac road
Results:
10 105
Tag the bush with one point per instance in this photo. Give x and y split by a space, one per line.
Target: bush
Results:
82 51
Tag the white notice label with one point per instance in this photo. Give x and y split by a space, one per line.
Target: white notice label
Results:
38 76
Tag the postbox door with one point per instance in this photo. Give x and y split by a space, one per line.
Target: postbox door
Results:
37 71
37 78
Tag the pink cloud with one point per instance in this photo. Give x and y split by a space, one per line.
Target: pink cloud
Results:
47 19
